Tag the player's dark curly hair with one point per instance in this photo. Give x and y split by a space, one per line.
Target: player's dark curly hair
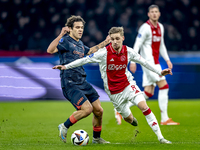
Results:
72 19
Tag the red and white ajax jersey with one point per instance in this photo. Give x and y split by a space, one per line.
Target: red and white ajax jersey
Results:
113 66
150 42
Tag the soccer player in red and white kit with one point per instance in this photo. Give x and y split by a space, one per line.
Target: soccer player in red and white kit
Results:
118 81
150 43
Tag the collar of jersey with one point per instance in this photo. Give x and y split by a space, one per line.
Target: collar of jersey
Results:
152 26
113 51
70 39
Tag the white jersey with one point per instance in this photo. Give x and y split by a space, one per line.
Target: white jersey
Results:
113 66
150 42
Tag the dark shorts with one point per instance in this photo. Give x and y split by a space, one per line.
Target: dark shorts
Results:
78 94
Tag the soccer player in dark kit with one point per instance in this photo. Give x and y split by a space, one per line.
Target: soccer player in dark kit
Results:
73 81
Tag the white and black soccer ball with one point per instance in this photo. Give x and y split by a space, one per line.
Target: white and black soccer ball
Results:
80 137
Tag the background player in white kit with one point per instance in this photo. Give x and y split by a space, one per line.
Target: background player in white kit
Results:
150 43
118 81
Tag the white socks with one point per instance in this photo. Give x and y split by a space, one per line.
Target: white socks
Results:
153 123
163 104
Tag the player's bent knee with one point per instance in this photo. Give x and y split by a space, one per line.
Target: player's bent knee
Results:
98 112
166 86
148 94
143 106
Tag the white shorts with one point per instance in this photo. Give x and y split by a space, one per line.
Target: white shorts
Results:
150 77
120 101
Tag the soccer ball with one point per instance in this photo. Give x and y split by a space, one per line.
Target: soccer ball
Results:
80 137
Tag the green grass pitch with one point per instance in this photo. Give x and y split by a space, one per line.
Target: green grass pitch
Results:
33 125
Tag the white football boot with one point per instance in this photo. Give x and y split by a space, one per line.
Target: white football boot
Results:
62 132
164 141
99 141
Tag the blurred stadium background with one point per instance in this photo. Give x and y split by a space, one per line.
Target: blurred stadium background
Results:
28 26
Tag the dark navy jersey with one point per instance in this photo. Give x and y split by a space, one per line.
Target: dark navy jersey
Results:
68 51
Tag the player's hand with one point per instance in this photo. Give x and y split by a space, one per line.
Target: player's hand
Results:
166 72
60 67
108 40
169 64
64 30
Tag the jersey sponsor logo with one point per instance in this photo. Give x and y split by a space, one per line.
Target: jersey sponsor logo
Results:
91 55
154 32
112 59
139 35
116 67
79 53
61 40
156 38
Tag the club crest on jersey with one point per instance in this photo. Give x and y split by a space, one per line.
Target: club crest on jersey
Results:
61 40
91 55
139 35
123 58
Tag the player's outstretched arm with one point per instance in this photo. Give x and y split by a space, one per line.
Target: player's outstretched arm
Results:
133 67
166 72
169 64
60 67
100 45
74 64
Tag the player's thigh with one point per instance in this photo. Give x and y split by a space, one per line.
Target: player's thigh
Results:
138 98
141 103
133 91
87 106
129 94
161 83
149 89
90 93
120 102
75 96
124 110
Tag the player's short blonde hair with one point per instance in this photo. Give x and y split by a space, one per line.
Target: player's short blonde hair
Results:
116 30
